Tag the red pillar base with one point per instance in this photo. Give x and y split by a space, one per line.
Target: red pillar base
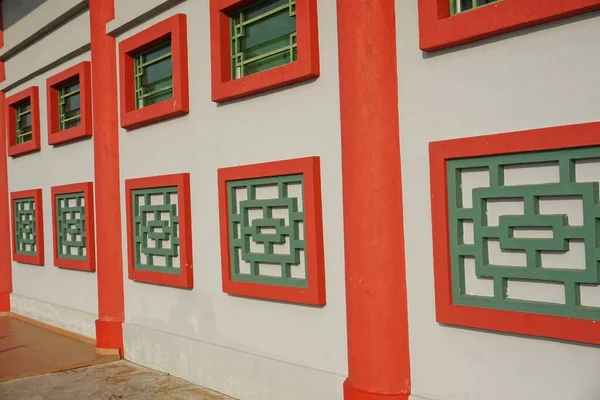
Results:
4 302
109 335
352 393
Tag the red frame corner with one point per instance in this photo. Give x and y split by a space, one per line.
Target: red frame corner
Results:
36 194
174 27
89 264
438 30
186 277
34 144
306 67
84 129
560 137
315 293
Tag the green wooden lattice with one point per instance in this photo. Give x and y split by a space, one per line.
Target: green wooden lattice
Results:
70 217
69 107
156 229
23 128
263 36
266 232
153 75
563 233
25 232
459 6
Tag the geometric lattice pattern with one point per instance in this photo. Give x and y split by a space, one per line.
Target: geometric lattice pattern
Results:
525 232
266 225
153 75
70 224
156 229
458 6
69 107
25 226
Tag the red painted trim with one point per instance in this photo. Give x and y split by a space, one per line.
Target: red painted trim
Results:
5 230
34 144
315 293
174 28
109 256
36 194
560 137
376 304
305 68
438 30
89 264
186 277
53 84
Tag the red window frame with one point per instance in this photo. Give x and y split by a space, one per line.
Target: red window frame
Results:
438 30
306 67
53 84
36 194
15 150
89 264
315 293
186 277
174 27
560 137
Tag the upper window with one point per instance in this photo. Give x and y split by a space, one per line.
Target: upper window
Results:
154 74
23 125
262 45
69 99
459 6
23 128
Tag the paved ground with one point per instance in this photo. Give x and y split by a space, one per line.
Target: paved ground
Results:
118 380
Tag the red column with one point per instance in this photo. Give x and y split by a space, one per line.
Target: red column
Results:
109 330
378 357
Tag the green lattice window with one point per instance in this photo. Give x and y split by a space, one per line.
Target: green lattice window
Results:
525 232
153 75
458 6
263 36
25 232
156 229
69 107
266 224
70 217
23 127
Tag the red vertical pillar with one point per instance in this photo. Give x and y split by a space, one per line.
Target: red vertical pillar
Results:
109 326
378 352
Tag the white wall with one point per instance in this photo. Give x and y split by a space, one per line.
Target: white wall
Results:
246 348
540 77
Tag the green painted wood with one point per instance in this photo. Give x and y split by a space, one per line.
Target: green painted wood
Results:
153 75
25 230
69 107
459 6
71 226
23 127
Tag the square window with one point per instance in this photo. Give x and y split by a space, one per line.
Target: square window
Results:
261 45
73 226
154 74
27 227
69 99
23 127
271 231
159 230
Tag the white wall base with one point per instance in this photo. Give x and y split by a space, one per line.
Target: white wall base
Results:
62 317
235 373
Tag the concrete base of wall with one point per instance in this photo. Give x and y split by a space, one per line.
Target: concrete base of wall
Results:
229 371
65 318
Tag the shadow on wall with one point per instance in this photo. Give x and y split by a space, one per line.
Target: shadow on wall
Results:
15 10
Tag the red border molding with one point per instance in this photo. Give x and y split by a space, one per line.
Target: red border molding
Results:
438 30
560 137
186 277
174 28
34 144
305 68
309 167
84 129
89 264
36 194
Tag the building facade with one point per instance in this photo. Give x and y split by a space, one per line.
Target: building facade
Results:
310 199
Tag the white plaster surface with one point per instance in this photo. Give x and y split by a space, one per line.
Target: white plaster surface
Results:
251 348
128 11
541 77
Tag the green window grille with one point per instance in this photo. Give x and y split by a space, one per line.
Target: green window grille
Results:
70 217
266 231
25 234
23 128
458 6
263 36
156 230
69 107
562 232
153 75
